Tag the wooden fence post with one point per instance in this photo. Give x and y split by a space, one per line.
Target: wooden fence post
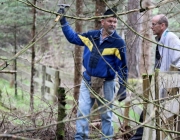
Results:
60 131
158 103
175 91
57 83
43 81
166 121
48 78
126 114
146 91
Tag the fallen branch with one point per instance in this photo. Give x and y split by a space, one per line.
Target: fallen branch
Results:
15 137
8 72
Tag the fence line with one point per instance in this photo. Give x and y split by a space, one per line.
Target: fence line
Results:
47 79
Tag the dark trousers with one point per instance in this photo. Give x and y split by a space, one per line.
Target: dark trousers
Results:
139 132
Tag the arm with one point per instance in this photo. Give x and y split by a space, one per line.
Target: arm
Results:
175 55
122 73
69 33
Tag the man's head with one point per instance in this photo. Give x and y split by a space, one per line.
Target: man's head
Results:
159 24
109 23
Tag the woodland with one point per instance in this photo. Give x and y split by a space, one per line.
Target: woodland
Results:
40 71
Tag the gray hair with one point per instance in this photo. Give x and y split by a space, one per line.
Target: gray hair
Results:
163 19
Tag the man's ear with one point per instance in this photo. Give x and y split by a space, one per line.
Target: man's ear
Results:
163 25
102 21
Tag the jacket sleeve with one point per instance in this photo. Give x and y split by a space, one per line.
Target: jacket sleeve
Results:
175 54
121 65
71 35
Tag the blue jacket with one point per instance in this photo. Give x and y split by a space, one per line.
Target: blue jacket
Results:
104 62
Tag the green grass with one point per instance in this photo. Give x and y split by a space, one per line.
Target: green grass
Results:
21 101
18 107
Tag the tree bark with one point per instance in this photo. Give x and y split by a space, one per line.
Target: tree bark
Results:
33 59
78 52
133 40
60 131
15 60
100 9
146 45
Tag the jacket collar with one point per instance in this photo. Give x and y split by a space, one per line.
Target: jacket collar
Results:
163 36
111 38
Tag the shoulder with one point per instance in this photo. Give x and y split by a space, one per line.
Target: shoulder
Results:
173 37
115 34
118 39
91 33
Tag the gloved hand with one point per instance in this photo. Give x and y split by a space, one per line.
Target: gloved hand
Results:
61 11
63 19
121 93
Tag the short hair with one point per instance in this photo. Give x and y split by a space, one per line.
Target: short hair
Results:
163 19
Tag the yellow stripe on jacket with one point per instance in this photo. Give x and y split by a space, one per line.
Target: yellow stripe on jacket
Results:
112 51
107 51
86 41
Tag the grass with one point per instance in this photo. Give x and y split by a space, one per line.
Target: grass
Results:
16 109
21 101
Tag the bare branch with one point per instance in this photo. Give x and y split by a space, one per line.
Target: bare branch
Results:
8 72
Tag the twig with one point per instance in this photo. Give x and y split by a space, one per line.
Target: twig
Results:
8 72
97 17
15 137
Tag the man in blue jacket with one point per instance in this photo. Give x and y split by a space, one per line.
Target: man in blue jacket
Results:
104 56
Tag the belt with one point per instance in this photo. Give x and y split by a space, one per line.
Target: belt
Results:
87 76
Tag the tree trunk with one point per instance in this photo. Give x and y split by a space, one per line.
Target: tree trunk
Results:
100 9
15 61
33 59
133 40
146 45
78 52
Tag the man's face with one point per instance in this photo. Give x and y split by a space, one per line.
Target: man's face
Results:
109 24
157 28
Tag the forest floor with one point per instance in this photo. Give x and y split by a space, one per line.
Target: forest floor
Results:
18 120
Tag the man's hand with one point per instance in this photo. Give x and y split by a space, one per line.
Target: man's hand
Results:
121 93
61 11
